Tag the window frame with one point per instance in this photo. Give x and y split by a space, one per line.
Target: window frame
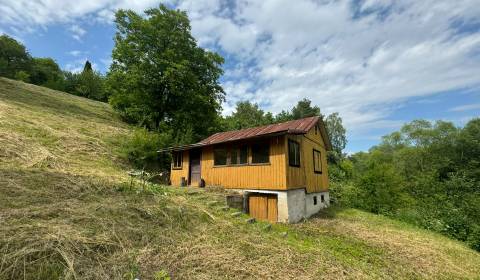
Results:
240 147
320 161
175 156
235 150
290 163
267 144
226 156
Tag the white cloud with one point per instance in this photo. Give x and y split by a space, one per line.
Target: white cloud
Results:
467 107
76 53
77 32
360 58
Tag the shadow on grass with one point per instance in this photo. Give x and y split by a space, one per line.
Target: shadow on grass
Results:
330 212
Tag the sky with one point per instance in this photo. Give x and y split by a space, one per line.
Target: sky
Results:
379 63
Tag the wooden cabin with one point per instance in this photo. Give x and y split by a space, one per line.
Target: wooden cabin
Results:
281 169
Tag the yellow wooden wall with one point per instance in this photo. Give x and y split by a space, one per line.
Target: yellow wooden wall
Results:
177 174
276 175
269 176
304 176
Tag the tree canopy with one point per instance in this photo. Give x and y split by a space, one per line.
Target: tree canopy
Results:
13 57
247 115
160 76
427 173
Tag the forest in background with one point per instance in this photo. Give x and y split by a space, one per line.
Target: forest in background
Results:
426 173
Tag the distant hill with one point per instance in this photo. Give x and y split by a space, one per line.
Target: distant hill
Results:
68 210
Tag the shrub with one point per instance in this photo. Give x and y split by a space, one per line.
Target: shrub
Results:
22 76
140 149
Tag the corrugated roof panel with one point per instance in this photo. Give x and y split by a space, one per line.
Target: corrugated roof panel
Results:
300 126
295 126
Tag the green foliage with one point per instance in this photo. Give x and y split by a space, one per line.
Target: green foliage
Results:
90 84
46 72
305 109
336 132
380 189
247 115
426 174
161 275
159 76
140 149
22 76
13 57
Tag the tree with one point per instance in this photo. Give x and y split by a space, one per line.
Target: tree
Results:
159 76
304 109
13 57
22 76
46 72
336 133
90 84
247 115
283 116
87 67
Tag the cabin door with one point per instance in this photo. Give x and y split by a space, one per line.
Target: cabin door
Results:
263 206
195 168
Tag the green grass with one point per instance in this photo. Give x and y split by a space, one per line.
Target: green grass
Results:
68 211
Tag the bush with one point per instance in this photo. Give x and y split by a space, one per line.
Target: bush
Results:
140 149
22 76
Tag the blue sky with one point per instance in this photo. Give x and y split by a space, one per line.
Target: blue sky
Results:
379 63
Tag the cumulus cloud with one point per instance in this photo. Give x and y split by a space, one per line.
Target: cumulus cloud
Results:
77 32
360 58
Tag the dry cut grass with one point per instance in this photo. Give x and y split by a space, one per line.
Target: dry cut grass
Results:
67 211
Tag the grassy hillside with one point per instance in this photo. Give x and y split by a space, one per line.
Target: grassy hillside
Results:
67 211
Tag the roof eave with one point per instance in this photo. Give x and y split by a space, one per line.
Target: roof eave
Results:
200 144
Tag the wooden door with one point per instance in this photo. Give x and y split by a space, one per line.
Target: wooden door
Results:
263 207
195 169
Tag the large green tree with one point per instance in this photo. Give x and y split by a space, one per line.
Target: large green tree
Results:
427 173
160 76
13 57
336 132
46 72
247 115
304 109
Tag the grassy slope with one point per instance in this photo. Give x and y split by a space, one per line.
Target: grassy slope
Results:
66 212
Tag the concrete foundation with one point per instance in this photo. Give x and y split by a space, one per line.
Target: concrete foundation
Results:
295 205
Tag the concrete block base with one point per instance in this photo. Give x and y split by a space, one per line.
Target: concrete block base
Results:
295 205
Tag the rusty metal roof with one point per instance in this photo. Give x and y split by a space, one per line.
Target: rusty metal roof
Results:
300 126
295 127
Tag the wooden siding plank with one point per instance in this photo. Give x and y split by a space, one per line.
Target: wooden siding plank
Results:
272 208
267 177
177 174
305 177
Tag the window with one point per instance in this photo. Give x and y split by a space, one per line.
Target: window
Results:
243 155
293 153
322 198
234 156
315 200
261 153
177 159
317 161
239 155
220 156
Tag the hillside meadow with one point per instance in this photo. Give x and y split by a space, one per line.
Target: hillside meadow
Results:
68 210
